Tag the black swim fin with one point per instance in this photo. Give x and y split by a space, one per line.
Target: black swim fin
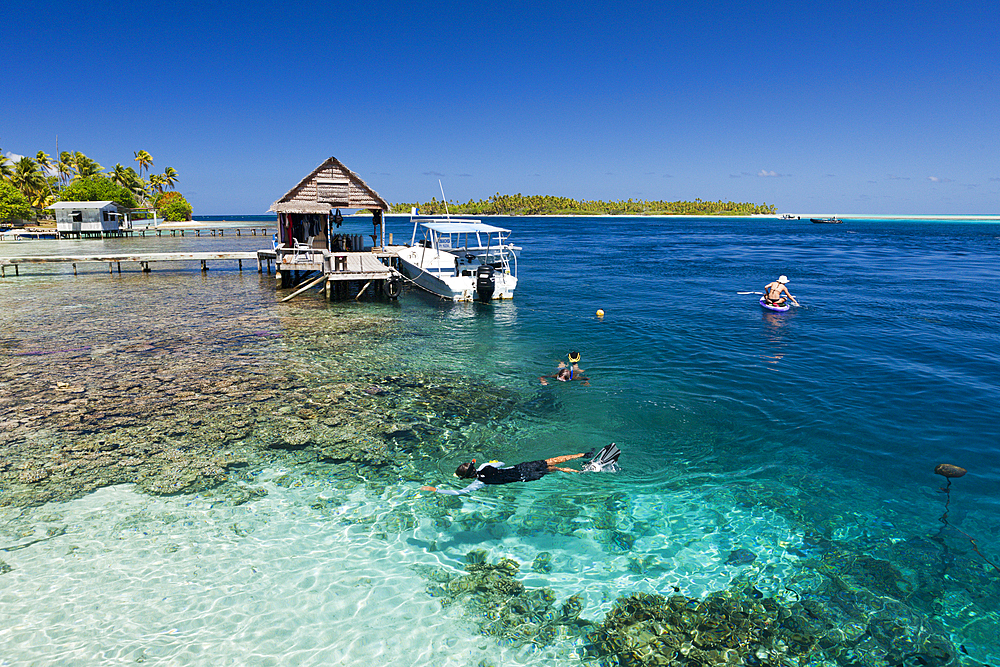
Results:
605 461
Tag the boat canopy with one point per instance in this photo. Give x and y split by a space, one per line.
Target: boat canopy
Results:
459 227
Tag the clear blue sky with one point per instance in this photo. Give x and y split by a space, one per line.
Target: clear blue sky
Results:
838 107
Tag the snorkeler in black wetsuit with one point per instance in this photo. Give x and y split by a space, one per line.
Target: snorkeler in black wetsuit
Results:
495 472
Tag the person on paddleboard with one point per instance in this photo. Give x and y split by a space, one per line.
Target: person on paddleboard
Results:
495 472
775 292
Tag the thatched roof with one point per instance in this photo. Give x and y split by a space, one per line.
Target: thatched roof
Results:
330 185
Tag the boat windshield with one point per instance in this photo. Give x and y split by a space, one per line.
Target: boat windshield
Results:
486 242
471 234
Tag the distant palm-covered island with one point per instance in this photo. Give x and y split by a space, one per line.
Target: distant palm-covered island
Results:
520 204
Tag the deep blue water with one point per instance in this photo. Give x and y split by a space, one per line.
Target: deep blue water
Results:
889 367
837 412
832 415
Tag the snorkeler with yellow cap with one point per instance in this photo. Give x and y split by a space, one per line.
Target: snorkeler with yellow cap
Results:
568 372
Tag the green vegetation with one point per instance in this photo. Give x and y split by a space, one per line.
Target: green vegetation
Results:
43 180
13 204
172 206
520 204
98 188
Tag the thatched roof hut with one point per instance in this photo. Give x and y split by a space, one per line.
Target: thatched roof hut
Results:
310 205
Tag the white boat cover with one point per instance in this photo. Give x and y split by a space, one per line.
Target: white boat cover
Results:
455 227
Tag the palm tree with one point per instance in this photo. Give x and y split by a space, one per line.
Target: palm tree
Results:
6 171
30 181
170 178
65 167
157 182
44 161
145 161
85 167
136 185
120 175
45 166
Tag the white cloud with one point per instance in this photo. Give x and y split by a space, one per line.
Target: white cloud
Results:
764 172
937 179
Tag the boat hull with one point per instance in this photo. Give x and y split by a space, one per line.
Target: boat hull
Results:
438 275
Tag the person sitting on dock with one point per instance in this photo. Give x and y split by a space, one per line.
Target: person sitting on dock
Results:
494 472
775 292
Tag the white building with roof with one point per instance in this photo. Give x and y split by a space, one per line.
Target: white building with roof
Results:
87 218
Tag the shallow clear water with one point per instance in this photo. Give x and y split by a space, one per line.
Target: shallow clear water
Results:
807 438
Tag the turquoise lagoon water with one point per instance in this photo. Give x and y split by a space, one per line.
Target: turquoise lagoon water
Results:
781 454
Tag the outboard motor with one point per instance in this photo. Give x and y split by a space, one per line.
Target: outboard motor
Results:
486 282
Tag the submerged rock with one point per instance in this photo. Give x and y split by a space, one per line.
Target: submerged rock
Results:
741 557
504 607
730 628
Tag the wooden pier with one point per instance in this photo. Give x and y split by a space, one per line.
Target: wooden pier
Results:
294 267
36 233
201 231
142 259
306 268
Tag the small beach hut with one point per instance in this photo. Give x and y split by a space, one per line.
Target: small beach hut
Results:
307 212
87 218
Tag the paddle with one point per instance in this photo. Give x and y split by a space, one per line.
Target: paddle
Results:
762 294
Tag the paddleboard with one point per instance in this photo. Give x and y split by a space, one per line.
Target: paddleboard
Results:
778 309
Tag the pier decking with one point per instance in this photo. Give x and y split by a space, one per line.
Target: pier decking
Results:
293 267
194 229
143 259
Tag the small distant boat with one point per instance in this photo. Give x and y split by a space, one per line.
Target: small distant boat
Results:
460 259
826 221
789 216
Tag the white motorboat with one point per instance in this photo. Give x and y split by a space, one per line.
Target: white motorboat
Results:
460 259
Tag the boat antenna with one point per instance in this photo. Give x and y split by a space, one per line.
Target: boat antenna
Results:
446 213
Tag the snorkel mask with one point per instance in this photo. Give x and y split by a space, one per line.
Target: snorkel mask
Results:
466 470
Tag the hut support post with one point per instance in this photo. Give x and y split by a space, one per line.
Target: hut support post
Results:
303 289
